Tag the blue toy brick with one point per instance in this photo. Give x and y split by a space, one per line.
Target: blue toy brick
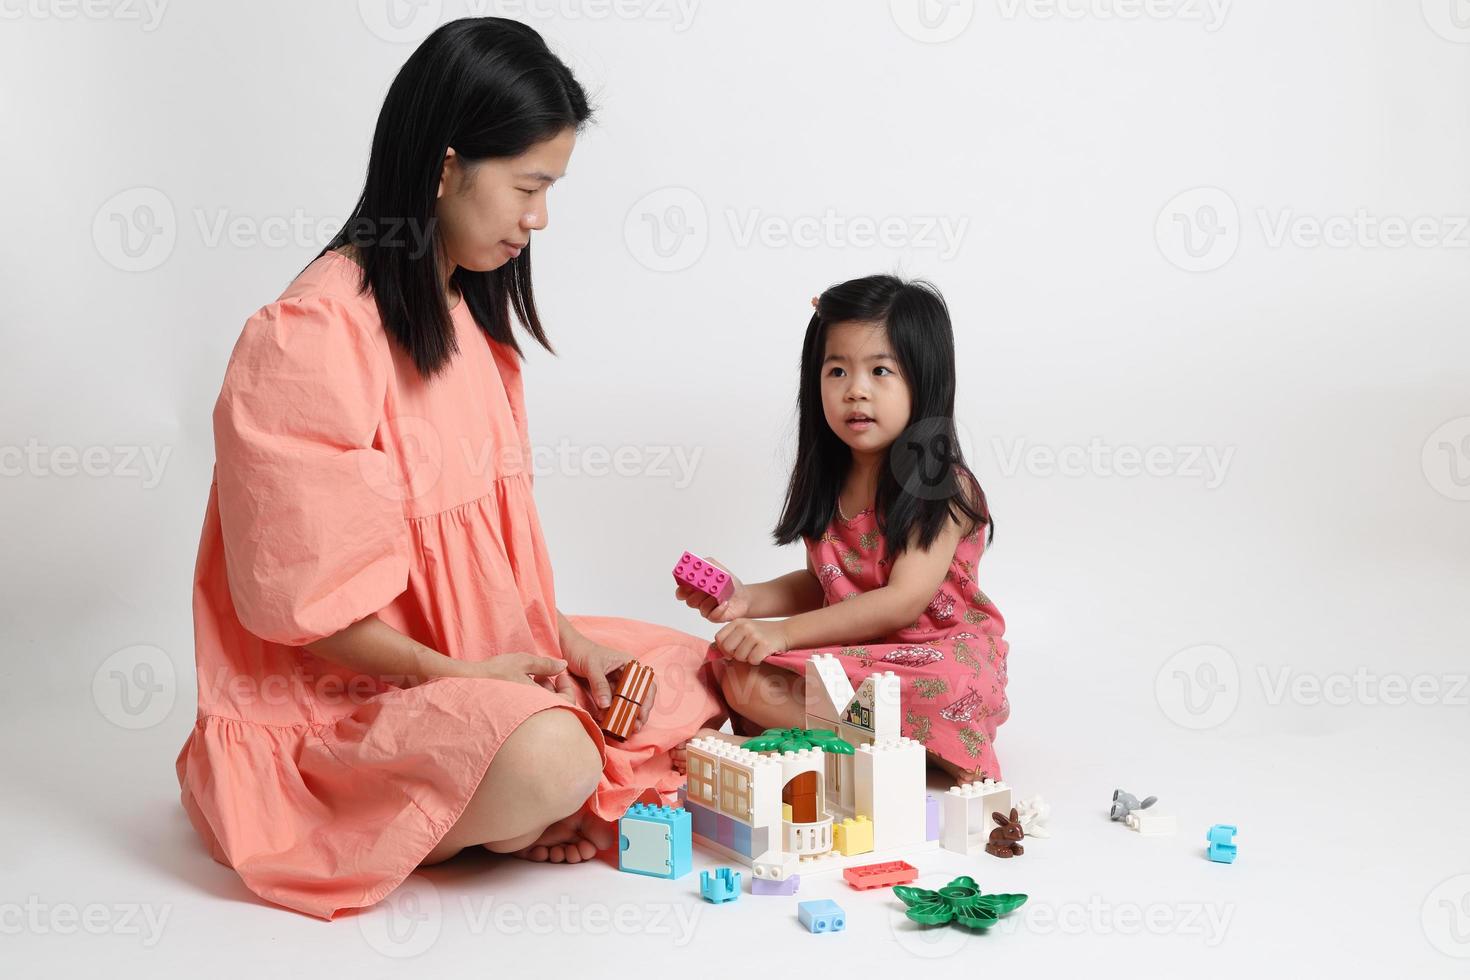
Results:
1221 838
760 839
655 841
706 821
931 817
768 886
725 831
823 915
742 839
724 886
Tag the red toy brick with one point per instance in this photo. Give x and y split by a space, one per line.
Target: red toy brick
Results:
882 875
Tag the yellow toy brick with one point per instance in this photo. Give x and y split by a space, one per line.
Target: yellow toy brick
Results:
853 836
786 812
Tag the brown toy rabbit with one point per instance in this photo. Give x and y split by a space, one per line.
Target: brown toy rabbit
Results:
1005 840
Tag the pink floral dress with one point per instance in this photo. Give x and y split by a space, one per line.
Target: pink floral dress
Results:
952 661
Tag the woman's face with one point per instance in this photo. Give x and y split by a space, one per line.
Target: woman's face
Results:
864 396
487 211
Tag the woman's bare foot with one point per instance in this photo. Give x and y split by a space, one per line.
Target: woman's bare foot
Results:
680 756
576 839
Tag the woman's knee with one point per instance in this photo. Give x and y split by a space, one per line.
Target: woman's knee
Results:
553 759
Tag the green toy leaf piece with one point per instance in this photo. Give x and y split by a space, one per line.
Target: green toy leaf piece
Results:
959 902
797 739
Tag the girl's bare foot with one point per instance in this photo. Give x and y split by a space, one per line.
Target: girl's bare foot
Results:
680 756
576 839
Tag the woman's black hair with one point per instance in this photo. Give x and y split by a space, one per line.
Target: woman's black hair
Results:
924 480
488 87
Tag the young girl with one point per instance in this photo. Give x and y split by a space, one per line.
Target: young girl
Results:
894 524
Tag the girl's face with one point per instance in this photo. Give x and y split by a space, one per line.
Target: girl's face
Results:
864 396
487 211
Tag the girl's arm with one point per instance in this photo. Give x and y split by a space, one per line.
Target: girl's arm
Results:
915 578
797 592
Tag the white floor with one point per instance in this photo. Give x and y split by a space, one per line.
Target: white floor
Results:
1354 858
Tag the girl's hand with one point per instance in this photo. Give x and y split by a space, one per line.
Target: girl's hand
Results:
733 608
602 667
752 640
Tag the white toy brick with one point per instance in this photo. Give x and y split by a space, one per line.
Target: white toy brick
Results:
828 691
967 810
890 791
1151 824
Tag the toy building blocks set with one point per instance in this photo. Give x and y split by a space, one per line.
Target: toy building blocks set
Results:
632 691
702 576
655 841
968 811
848 789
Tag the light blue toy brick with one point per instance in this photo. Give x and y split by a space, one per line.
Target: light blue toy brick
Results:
705 821
760 841
742 839
822 915
655 841
725 831
724 886
1221 838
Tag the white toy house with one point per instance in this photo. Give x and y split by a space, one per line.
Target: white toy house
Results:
858 799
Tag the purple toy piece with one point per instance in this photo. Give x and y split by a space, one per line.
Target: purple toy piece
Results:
765 886
699 574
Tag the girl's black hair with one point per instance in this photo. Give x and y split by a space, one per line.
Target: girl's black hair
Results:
488 87
924 480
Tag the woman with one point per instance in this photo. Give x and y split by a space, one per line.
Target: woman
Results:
377 638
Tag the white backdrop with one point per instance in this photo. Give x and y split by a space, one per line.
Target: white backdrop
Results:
1208 267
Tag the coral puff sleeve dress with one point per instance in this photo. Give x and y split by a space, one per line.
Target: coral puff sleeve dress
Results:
345 486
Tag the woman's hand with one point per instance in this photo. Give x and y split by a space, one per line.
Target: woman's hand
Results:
752 640
733 608
521 668
602 668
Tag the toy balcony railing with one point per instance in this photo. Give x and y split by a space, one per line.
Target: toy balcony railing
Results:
803 839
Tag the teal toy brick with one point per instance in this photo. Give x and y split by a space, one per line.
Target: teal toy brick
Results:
823 915
1221 838
723 887
655 841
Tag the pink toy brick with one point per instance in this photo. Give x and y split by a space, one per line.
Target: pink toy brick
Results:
699 574
881 875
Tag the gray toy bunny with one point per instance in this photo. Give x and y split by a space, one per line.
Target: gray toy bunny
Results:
1126 803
